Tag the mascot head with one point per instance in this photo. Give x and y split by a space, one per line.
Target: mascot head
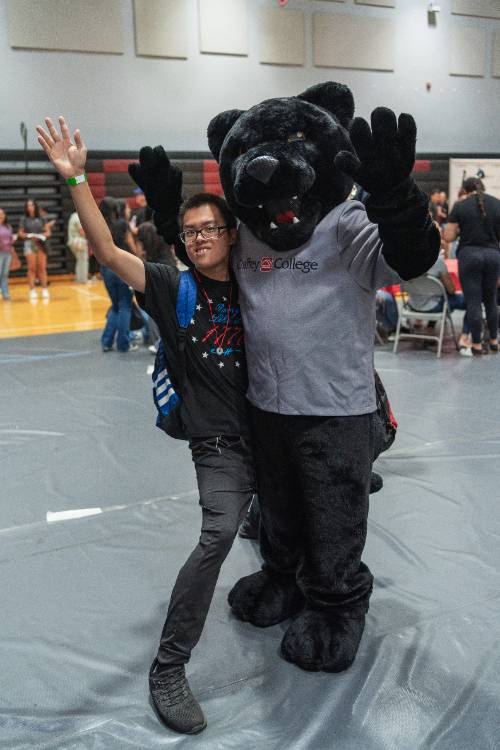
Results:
276 162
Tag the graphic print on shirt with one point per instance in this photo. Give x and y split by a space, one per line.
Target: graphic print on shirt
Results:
216 327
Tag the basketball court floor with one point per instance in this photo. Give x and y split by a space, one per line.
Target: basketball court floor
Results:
99 510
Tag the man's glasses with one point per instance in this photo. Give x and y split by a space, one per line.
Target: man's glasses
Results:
208 233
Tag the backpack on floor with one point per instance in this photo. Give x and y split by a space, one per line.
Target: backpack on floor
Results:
167 399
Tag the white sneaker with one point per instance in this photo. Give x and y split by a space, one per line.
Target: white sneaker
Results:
33 294
45 293
465 351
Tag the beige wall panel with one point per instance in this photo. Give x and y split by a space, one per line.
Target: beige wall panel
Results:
223 27
160 28
496 55
69 25
342 41
467 51
480 8
383 3
281 36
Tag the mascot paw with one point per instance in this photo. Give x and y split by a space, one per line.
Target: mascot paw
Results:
385 155
160 180
265 600
318 640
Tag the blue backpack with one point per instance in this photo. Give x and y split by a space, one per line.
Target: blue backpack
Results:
167 399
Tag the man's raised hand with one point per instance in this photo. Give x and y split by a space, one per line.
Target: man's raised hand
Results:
68 157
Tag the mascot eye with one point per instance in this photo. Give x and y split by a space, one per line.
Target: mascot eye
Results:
298 136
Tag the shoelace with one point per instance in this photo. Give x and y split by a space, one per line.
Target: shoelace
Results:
172 687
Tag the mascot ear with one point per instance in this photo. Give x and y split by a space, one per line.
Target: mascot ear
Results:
219 127
334 97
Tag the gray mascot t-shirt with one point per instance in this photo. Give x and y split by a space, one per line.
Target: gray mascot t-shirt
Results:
309 316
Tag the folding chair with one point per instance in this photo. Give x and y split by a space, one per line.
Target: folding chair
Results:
424 286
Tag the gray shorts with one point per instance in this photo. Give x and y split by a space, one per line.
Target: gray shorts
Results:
31 247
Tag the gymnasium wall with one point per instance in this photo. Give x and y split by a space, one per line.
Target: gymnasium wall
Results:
124 92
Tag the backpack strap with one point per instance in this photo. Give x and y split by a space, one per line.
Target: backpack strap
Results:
186 303
186 299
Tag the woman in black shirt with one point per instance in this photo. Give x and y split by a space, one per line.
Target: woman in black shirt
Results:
477 220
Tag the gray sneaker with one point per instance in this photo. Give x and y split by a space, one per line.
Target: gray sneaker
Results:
174 702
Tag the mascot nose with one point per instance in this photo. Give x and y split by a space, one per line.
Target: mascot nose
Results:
262 168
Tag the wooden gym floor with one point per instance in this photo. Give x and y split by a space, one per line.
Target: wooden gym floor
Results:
71 307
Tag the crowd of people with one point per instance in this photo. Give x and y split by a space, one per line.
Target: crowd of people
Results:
132 230
470 233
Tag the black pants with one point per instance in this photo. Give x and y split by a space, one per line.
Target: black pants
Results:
479 269
226 482
313 478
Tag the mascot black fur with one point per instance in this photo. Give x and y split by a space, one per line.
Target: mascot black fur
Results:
308 263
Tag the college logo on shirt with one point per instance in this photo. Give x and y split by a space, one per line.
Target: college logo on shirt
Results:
267 264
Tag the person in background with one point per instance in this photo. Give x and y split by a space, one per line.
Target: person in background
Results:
443 200
141 212
7 239
35 231
49 219
386 311
123 209
476 221
435 303
153 248
79 246
118 319
438 211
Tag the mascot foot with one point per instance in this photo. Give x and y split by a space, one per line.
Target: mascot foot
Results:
318 640
265 600
376 483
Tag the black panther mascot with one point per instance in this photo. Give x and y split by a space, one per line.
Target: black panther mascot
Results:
308 262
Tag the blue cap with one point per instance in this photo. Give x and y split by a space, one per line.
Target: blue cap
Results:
138 191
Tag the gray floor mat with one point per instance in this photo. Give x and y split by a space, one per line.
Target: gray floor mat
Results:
83 601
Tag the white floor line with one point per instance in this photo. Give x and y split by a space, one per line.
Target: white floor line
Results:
97 511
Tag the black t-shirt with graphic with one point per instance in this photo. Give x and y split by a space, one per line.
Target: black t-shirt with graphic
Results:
475 229
214 400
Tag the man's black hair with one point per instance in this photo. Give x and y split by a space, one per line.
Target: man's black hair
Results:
203 199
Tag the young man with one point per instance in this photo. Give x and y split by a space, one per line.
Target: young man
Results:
213 403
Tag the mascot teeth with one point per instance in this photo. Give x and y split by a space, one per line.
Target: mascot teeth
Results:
273 225
295 220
